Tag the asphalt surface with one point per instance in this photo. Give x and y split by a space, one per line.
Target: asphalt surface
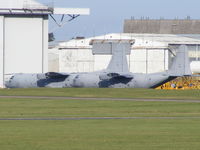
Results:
93 118
101 99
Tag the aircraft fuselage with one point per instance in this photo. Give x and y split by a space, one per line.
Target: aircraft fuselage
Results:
88 80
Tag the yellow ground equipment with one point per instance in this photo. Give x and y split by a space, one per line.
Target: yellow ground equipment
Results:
182 83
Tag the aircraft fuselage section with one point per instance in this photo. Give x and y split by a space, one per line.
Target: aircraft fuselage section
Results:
84 80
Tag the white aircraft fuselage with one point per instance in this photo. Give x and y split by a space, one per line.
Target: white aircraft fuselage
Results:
89 80
116 75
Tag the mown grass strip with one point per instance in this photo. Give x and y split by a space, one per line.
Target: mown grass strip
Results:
100 135
26 108
108 93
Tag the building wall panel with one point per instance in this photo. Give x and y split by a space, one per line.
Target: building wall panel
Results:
85 66
138 66
155 66
45 43
53 64
67 60
76 60
156 60
140 61
85 54
1 51
138 55
155 55
24 45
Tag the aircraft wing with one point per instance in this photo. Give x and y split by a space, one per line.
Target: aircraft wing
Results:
56 75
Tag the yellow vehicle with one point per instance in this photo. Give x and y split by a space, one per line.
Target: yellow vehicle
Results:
182 83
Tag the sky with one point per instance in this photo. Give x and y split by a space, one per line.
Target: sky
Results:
107 16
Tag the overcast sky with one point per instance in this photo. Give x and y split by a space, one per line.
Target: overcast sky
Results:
107 16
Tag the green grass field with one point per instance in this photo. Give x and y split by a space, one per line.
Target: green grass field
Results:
23 108
104 92
131 134
100 135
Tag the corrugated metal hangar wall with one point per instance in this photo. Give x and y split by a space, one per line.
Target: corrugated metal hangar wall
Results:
174 26
140 61
149 54
23 44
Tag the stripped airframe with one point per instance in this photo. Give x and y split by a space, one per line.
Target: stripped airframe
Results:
116 75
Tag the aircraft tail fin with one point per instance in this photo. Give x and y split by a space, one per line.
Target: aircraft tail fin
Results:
119 49
181 63
118 62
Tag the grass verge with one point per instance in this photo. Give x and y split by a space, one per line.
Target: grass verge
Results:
107 93
22 108
100 135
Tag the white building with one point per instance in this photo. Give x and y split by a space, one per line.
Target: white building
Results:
24 36
149 53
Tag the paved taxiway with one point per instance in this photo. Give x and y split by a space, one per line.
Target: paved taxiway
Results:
93 118
102 99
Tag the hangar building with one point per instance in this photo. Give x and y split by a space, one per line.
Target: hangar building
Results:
162 26
24 36
149 54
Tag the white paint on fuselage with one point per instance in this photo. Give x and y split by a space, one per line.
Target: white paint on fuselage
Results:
81 80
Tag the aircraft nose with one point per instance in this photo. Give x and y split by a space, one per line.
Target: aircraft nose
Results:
8 79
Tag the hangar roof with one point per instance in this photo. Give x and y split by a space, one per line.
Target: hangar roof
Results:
142 41
23 7
20 4
33 7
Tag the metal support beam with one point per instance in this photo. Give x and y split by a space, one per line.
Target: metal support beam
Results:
62 22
